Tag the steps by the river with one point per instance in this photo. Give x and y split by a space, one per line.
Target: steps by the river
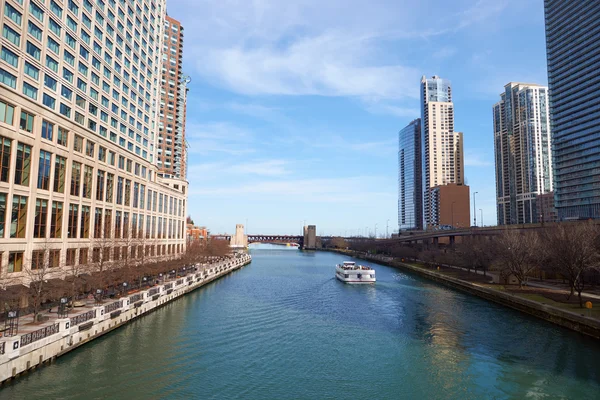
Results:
29 350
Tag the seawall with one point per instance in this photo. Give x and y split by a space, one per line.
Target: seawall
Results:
27 351
567 319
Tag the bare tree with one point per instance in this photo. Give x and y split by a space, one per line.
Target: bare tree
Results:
339 243
572 250
517 254
42 268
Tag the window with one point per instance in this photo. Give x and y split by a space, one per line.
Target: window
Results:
18 217
72 222
87 181
47 130
54 27
44 170
56 220
60 170
55 9
34 31
70 40
41 217
81 85
23 164
53 45
31 70
65 110
15 261
5 144
68 75
109 187
50 82
79 118
85 222
75 179
119 199
100 185
70 260
73 7
12 13
66 92
49 101
54 258
78 144
10 57
3 197
83 256
52 64
7 112
30 91
33 50
62 136
8 79
26 122
12 35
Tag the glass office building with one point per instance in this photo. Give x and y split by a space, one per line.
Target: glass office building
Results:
410 188
522 152
572 37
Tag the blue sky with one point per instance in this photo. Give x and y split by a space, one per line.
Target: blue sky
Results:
295 106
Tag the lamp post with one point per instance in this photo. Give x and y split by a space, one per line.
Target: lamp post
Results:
481 211
375 230
387 224
474 210
452 208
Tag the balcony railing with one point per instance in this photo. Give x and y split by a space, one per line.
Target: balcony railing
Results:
81 318
39 334
112 307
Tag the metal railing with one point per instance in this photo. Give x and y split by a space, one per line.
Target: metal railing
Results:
168 286
39 334
81 318
112 307
153 291
179 281
136 297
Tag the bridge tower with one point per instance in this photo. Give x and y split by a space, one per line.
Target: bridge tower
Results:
310 237
239 240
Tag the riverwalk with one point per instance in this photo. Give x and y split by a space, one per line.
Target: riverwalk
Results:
577 321
40 343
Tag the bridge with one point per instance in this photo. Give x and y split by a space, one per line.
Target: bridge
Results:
240 240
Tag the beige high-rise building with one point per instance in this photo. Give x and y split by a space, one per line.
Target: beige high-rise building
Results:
79 110
171 149
443 160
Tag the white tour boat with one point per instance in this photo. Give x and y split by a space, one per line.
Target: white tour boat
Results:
349 272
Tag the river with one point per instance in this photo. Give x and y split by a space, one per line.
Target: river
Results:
284 328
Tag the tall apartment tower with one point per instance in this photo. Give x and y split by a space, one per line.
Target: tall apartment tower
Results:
572 38
410 184
79 111
171 150
522 151
442 147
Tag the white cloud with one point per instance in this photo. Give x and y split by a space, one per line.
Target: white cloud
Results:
311 47
219 137
223 170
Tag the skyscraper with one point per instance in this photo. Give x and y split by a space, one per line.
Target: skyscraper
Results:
572 38
79 94
522 151
442 147
171 131
410 186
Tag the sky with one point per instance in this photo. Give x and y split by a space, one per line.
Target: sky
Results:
295 106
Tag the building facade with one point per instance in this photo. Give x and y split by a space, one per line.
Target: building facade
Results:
172 156
523 152
545 204
442 147
410 187
450 206
572 36
79 109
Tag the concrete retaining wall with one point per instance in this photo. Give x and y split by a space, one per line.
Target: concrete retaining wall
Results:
75 331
